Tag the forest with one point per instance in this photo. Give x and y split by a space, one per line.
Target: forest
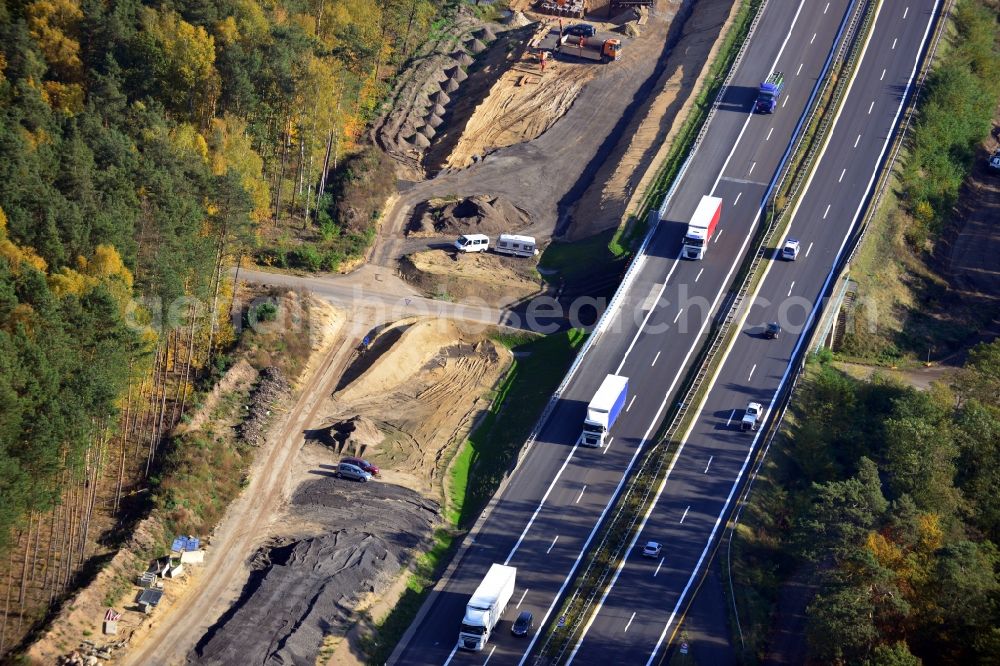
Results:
145 147
885 497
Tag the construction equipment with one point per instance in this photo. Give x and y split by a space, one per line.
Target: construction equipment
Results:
591 48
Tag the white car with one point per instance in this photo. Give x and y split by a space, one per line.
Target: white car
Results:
790 252
751 417
651 549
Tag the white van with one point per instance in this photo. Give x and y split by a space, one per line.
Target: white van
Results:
518 246
473 243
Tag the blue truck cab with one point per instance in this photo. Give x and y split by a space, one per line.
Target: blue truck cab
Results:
769 93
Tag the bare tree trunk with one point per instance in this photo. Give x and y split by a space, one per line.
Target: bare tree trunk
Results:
34 557
6 604
24 563
326 168
124 437
281 173
187 369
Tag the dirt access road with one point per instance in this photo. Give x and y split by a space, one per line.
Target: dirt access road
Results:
225 572
547 175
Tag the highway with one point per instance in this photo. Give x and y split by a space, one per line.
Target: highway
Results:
545 518
638 615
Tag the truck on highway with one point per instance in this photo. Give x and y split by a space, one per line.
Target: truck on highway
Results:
702 226
751 416
603 410
770 92
485 607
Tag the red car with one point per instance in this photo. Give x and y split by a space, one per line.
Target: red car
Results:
363 464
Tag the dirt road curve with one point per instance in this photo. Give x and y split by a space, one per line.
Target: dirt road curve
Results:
179 628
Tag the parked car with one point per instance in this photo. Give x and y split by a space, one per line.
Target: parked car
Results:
581 30
772 330
522 625
790 252
349 471
363 464
651 549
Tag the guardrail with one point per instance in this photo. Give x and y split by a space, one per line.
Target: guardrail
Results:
848 45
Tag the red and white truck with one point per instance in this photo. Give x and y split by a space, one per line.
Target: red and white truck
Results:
702 226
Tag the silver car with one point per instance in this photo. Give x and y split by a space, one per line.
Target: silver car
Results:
349 471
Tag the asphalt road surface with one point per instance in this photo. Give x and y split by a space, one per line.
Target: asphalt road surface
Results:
547 515
644 605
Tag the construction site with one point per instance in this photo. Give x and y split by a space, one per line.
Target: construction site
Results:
518 126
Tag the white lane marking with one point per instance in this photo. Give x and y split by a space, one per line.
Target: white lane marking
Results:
827 211
730 418
826 8
813 38
699 274
709 464
607 446
894 43
870 107
451 654
799 70
678 315
658 567
856 141
905 12
580 496
551 545
716 239
768 137
629 624
656 358
784 103
790 287
809 249
652 297
739 194
663 404
685 514
751 371
490 656
752 165
630 403
883 74
522 598
812 314
841 179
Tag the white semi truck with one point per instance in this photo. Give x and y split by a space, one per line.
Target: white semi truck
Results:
485 607
603 410
702 226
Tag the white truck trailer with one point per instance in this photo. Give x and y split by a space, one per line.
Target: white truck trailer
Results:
702 226
603 410
485 607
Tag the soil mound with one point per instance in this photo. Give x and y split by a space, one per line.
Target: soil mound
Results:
437 110
480 214
515 18
451 85
441 98
434 121
486 34
457 73
356 436
420 140
462 58
475 46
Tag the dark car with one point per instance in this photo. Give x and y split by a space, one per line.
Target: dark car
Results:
772 331
522 625
363 464
581 30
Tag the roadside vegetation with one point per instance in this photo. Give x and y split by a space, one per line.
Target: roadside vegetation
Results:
480 466
905 310
883 498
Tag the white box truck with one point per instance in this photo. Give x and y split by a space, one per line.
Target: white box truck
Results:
485 607
702 226
603 410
